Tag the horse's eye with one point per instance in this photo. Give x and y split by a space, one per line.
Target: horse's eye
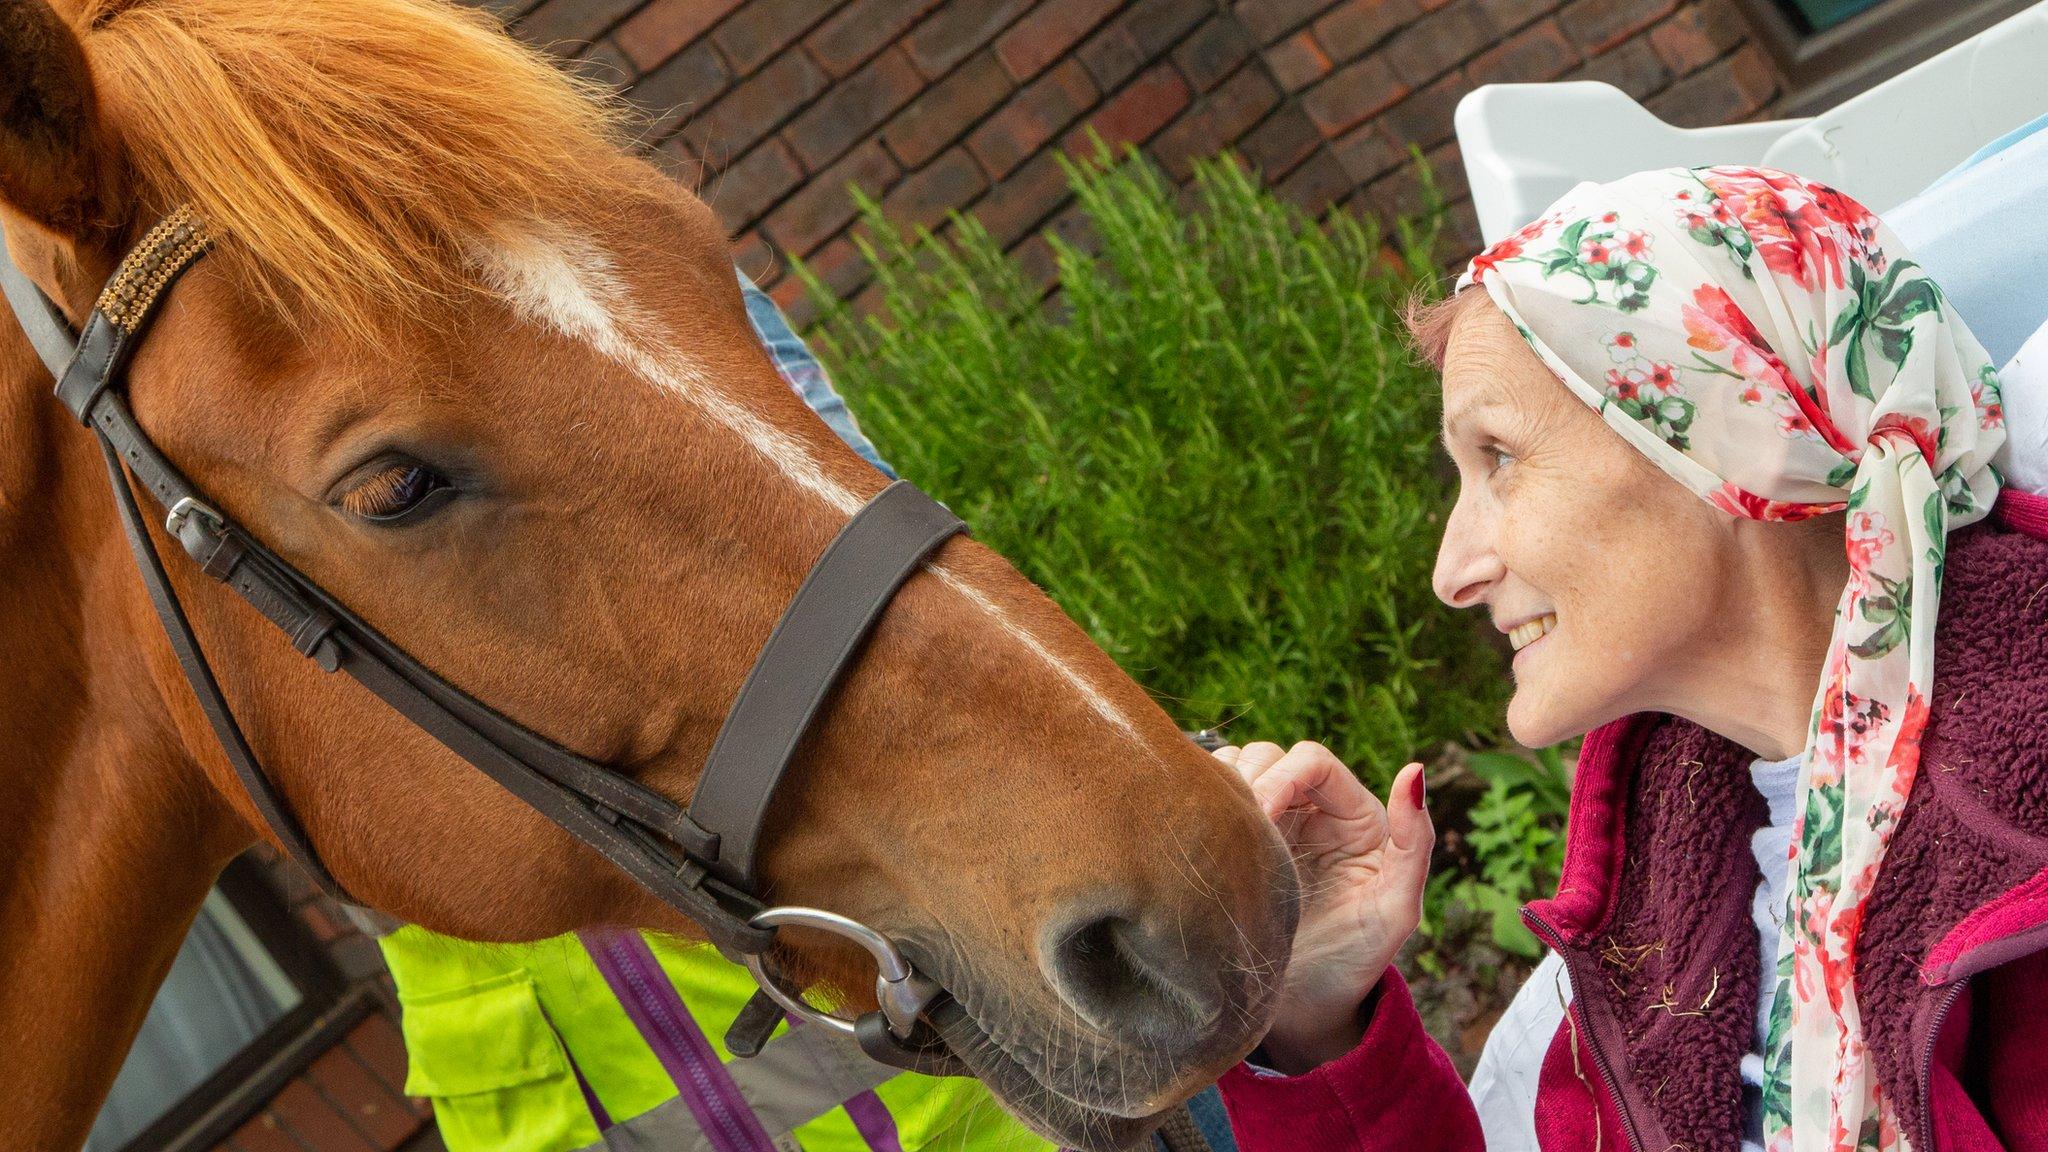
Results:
397 493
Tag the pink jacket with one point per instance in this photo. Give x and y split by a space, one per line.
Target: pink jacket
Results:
1953 969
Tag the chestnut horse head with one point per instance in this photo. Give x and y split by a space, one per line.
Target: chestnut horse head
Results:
488 379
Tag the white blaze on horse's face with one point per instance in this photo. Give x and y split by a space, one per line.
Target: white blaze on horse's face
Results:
568 283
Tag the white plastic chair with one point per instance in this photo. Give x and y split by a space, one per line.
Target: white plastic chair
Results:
1526 144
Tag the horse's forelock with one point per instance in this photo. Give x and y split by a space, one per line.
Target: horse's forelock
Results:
348 150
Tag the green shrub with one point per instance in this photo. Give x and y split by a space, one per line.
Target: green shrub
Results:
1514 837
1213 449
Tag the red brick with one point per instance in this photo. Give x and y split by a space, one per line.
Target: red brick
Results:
1352 27
1460 239
377 1044
1298 61
1268 20
788 295
1032 118
852 108
824 205
1047 32
1015 206
1447 167
1634 68
679 162
1597 25
1136 37
1112 55
690 80
954 32
1367 154
603 63
377 1111
1438 43
1212 52
840 265
1722 93
757 106
1217 121
1397 194
317 916
1133 115
1509 15
860 29
1283 141
1539 52
753 184
943 111
659 30
756 258
310 1118
1425 117
1316 185
508 10
1696 36
264 1133
761 28
1352 94
565 26
945 185
1035 260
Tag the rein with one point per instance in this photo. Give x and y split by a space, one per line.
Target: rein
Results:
700 859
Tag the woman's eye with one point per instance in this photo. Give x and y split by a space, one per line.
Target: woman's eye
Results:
1499 457
395 493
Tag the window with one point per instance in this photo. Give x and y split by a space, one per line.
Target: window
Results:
1830 50
246 1005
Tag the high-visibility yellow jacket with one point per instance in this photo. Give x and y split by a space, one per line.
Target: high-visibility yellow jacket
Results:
542 1047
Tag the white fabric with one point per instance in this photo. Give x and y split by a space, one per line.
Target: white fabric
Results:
1771 846
1504 1083
2023 383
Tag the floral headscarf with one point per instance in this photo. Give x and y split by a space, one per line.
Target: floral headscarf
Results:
1768 343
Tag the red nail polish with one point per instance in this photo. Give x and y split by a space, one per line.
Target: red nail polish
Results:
1418 791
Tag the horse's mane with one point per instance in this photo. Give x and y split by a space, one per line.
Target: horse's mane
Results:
347 151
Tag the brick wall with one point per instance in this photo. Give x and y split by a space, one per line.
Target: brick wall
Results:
350 1096
777 106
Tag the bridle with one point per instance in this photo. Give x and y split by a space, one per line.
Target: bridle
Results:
700 858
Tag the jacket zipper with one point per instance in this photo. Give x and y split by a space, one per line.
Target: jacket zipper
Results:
1925 1142
1607 1077
1995 953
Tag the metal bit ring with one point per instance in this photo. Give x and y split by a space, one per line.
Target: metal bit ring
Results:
903 992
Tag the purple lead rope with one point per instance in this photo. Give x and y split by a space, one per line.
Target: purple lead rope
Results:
652 1003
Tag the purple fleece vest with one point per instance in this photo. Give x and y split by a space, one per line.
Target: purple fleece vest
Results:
1659 940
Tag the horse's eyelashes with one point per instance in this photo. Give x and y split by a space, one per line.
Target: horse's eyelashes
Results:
394 493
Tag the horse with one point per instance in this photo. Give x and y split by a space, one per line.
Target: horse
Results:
463 359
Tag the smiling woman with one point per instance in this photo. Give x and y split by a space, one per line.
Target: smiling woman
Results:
1615 586
1726 480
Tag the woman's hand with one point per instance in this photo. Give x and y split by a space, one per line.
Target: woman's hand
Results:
1363 865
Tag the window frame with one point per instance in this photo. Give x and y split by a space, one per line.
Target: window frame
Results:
1824 68
328 1007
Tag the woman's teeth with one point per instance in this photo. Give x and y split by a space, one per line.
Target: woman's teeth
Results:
1524 635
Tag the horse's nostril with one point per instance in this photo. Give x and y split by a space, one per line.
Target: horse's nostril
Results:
1127 981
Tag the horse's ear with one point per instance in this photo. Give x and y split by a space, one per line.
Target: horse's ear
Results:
56 165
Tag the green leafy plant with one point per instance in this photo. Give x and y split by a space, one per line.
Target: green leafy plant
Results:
1516 841
1211 447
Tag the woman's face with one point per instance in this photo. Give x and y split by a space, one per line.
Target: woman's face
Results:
1610 580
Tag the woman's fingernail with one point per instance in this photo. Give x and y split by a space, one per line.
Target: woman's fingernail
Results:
1418 791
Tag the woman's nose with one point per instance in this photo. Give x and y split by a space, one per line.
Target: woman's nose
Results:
1466 565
